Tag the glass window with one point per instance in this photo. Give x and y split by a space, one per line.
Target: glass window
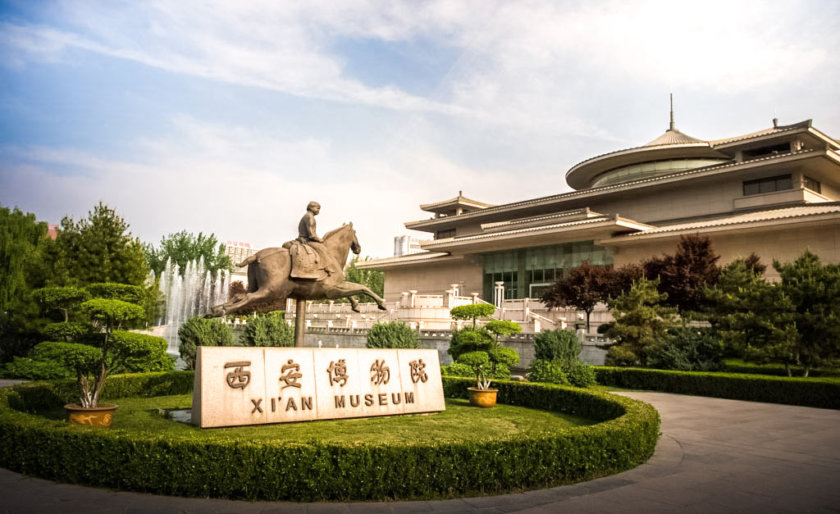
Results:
768 185
811 184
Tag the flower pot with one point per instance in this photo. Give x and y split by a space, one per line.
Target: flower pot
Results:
482 397
99 416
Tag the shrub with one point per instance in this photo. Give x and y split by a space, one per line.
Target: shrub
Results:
687 349
31 369
268 330
392 335
581 374
470 339
456 369
112 291
559 345
199 331
313 471
139 353
810 392
472 311
547 371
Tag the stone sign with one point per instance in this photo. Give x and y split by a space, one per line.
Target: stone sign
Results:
250 386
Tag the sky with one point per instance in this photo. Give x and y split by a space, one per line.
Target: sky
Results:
228 117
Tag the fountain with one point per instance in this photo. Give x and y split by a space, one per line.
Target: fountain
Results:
187 294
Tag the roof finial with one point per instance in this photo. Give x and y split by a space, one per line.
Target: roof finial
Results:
671 126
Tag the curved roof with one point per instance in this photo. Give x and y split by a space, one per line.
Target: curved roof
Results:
673 144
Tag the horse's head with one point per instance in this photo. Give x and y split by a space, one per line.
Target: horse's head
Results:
354 244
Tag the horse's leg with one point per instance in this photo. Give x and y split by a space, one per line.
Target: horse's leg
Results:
354 304
348 289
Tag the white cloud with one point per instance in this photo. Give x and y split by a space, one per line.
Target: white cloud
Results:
234 182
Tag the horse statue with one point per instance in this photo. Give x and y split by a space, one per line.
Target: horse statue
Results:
270 283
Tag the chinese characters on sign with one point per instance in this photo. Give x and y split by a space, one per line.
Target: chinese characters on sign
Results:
338 372
379 372
238 379
291 374
246 386
418 373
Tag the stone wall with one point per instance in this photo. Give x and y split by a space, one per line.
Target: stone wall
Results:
593 347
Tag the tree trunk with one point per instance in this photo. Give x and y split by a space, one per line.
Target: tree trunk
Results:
587 320
787 369
807 370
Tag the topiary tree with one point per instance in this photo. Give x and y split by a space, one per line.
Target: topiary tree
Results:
503 328
268 329
479 362
557 345
470 339
139 353
106 316
200 331
472 311
392 335
61 299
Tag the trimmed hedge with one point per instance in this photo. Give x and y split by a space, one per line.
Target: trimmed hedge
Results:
314 471
809 392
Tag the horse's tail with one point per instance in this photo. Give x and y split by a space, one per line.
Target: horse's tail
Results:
247 261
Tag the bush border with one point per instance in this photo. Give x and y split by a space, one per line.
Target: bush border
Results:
807 392
313 471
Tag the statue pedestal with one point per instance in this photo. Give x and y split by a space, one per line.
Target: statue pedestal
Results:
300 322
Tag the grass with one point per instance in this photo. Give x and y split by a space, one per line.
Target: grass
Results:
142 415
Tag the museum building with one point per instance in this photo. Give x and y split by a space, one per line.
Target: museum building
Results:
775 192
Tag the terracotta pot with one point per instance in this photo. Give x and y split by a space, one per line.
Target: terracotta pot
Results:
482 397
99 416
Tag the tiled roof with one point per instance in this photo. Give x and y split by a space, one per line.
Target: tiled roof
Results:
673 137
613 187
800 211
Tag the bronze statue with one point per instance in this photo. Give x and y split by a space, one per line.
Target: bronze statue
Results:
275 274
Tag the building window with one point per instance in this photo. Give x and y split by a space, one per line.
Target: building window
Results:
529 271
809 183
766 150
768 185
443 234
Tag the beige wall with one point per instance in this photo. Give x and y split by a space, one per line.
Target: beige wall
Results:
427 279
785 245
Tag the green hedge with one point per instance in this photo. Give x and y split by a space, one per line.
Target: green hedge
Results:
809 392
315 471
739 366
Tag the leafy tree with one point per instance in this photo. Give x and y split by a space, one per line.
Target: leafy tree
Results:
268 329
99 248
687 349
472 311
22 239
392 335
182 247
583 288
374 279
814 292
752 317
684 276
562 346
200 331
641 321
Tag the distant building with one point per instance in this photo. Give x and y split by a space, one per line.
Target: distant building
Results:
238 251
407 245
775 192
52 231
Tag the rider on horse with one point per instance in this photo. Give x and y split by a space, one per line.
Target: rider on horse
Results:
309 258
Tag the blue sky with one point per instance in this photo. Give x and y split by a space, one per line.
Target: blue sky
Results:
228 117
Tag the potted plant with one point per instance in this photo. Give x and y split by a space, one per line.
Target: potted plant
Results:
92 363
481 395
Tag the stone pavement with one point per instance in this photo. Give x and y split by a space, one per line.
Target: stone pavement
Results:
714 456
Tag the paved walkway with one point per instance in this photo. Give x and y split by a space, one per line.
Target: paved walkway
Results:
714 456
